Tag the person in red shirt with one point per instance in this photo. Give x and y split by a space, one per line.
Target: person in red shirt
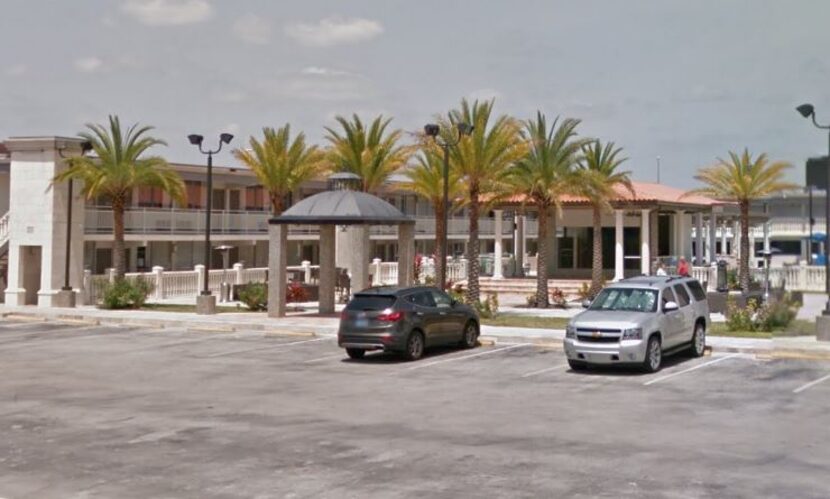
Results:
683 268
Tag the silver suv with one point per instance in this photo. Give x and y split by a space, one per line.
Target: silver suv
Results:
637 321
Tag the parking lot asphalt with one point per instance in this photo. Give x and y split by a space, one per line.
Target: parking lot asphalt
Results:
126 412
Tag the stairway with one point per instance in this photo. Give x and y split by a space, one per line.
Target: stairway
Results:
527 286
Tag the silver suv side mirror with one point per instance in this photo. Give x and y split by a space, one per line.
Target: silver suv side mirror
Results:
586 303
670 306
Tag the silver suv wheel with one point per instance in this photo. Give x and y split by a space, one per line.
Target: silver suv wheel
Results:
654 355
699 341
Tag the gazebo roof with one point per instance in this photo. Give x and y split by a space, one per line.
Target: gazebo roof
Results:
342 207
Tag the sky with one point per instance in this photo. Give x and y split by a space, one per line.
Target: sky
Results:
679 80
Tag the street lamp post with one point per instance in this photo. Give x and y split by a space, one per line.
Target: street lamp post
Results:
208 305
433 130
86 146
807 111
811 221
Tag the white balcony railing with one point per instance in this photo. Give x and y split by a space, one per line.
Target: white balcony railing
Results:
148 221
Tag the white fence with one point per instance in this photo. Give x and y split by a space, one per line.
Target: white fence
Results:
792 277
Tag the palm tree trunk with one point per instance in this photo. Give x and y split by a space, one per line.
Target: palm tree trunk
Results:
744 263
474 267
276 204
542 259
596 263
118 233
440 237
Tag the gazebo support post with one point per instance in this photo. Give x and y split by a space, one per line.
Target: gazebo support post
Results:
406 254
355 252
277 275
328 274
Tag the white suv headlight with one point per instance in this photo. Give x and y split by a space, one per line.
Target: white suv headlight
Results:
634 333
570 331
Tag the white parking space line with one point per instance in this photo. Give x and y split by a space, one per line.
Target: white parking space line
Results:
327 357
270 347
465 357
699 366
811 383
542 371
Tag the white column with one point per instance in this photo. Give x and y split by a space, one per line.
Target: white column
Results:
497 252
159 275
736 239
328 277
406 254
376 278
619 253
518 245
723 251
766 237
645 245
699 239
751 246
713 227
201 275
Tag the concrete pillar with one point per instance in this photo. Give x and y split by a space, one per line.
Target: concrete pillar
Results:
736 239
645 242
353 254
158 272
519 245
713 237
681 234
751 246
38 223
406 254
497 238
698 239
200 276
277 272
376 278
238 273
306 265
619 249
328 275
723 251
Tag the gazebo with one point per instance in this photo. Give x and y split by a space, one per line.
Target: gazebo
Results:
341 206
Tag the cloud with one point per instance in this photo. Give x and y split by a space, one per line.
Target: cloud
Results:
333 31
230 97
321 71
168 12
484 94
17 70
253 29
88 64
319 84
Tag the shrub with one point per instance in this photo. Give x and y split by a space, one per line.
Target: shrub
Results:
557 298
584 292
489 307
254 295
123 293
296 293
765 317
416 273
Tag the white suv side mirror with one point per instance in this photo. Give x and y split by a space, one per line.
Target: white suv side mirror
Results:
586 303
670 306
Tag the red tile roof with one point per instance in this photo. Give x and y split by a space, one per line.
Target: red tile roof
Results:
644 193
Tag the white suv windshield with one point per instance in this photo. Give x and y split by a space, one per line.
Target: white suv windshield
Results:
626 299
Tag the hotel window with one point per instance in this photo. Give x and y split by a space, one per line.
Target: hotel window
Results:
150 197
193 190
255 198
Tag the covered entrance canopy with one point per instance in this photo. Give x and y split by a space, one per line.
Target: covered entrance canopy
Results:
330 209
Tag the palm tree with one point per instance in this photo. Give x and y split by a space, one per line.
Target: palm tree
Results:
481 161
742 179
426 179
599 180
119 168
543 176
281 165
369 152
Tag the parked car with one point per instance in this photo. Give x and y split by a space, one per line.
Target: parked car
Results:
638 321
405 321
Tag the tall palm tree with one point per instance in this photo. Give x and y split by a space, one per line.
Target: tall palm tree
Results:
600 178
545 174
370 152
426 179
742 179
481 161
120 166
281 165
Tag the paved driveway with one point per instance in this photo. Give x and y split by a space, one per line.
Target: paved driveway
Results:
108 412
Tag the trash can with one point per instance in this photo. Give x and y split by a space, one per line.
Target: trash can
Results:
224 292
723 281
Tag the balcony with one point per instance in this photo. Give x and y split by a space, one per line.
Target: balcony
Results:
184 222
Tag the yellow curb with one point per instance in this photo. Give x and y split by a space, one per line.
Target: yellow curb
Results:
80 322
25 318
276 332
799 355
486 341
210 329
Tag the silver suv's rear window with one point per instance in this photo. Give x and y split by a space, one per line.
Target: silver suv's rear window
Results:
626 299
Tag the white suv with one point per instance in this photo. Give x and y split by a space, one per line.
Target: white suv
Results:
637 321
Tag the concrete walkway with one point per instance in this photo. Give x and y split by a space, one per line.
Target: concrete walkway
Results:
791 347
